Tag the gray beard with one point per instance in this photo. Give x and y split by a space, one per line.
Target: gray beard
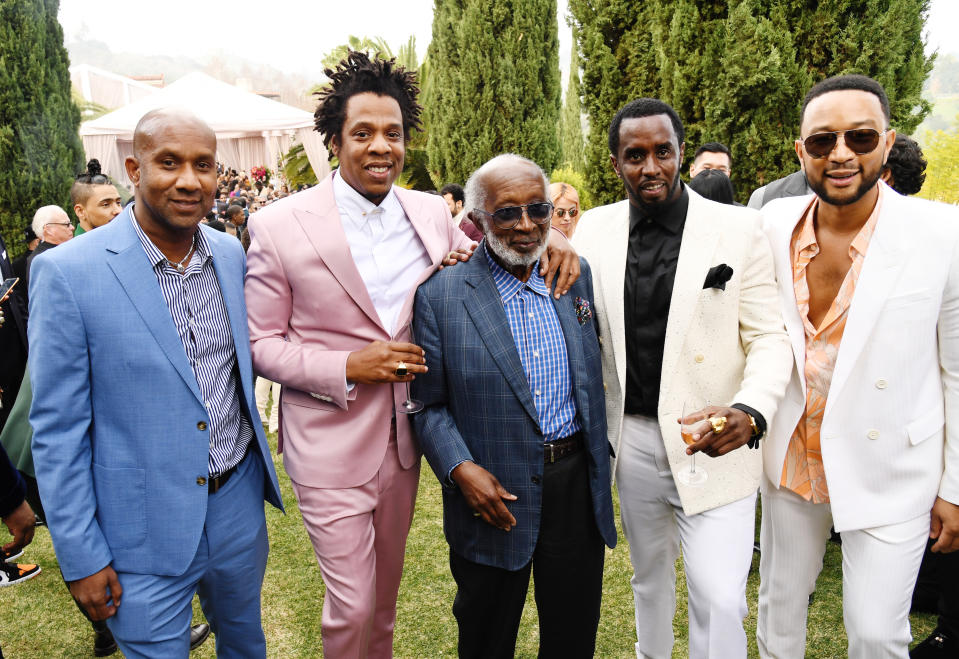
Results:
511 258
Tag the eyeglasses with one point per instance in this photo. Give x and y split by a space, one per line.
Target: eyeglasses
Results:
509 216
859 140
60 224
561 212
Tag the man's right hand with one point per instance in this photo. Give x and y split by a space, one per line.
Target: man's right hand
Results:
484 494
99 594
377 362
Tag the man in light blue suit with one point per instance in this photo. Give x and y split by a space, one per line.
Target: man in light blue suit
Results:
150 457
514 426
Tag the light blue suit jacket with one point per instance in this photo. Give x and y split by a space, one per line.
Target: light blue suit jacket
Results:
117 412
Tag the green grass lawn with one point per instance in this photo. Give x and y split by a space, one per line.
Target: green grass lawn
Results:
38 618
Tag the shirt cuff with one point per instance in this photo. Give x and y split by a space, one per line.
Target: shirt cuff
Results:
758 418
449 475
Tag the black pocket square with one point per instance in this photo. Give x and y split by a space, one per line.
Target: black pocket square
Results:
718 276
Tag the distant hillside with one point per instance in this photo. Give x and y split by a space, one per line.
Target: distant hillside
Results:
942 89
292 89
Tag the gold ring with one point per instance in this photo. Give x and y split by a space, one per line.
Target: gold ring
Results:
718 423
401 370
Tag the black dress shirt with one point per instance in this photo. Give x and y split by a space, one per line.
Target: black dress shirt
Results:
654 240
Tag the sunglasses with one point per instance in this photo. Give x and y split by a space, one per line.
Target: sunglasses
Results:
561 212
509 216
859 140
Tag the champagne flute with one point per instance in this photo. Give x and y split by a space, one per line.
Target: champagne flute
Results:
691 474
410 405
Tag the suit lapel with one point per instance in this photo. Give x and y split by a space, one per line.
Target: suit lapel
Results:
781 236
613 267
129 263
436 248
324 229
228 273
485 307
572 332
700 237
880 271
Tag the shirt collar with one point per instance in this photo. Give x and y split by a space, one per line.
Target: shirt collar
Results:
355 206
508 285
670 215
154 254
806 240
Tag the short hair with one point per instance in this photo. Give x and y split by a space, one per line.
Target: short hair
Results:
907 164
852 81
82 187
233 210
475 192
644 107
45 215
714 147
217 224
715 185
357 73
455 190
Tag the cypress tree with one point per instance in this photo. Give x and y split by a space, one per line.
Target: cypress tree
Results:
571 121
40 150
494 85
736 70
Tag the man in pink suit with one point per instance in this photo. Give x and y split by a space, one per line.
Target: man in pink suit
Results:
330 283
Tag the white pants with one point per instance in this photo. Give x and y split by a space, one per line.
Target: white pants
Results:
261 393
879 568
717 550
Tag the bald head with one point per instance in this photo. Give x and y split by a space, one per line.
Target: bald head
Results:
153 124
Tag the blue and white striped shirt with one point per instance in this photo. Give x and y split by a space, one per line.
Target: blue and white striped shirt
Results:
541 345
199 313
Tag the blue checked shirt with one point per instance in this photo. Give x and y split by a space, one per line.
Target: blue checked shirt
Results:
200 315
542 349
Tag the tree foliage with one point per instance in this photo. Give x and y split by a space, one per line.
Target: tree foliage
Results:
571 120
736 70
40 150
495 85
941 150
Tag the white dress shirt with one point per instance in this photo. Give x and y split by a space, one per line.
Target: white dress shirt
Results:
385 247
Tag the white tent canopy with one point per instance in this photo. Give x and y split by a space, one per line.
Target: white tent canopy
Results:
107 89
251 131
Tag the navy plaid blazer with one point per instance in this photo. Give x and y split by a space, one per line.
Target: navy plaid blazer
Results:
479 407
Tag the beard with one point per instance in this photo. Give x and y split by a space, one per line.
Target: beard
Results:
635 197
868 181
511 258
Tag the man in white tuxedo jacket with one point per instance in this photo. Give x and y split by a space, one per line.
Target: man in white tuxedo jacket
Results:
686 302
865 438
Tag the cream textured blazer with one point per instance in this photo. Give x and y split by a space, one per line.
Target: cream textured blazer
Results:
726 346
885 449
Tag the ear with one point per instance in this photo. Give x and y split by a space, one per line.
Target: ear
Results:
132 165
474 218
615 164
335 145
78 211
682 152
890 141
799 149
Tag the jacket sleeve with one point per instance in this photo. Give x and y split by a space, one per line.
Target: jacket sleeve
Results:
269 303
12 488
949 361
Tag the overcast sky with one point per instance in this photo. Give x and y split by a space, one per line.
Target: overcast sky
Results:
293 35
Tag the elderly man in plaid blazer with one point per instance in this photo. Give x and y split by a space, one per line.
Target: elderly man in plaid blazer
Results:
515 426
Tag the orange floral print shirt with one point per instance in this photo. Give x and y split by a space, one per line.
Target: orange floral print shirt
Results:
803 471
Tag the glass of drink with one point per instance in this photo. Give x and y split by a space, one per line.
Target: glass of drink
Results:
692 431
410 405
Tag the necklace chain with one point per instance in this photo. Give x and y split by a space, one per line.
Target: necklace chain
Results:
179 264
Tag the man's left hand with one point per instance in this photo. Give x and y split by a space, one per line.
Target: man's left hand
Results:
458 255
944 526
737 432
560 258
21 523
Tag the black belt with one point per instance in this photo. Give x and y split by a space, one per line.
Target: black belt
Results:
561 448
214 483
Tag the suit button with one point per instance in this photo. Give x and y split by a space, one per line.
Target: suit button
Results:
535 480
699 359
200 480
873 434
600 340
201 425
881 383
605 388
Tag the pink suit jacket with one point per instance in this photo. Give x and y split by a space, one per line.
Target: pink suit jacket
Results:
308 309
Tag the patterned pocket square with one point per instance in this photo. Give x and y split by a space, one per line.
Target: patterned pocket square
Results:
583 313
718 276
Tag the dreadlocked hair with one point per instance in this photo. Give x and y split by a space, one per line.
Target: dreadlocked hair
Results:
358 74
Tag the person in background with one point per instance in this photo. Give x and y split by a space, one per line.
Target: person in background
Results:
95 199
713 184
54 227
565 207
905 168
712 155
19 264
